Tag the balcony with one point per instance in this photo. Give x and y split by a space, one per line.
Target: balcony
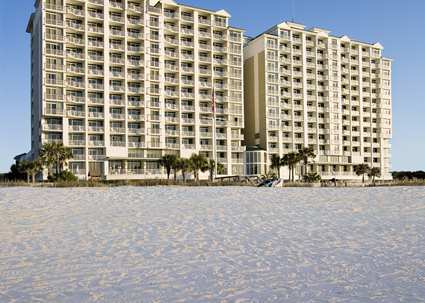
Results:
77 84
116 32
220 49
75 26
54 7
133 130
96 100
135 103
132 117
135 76
205 134
52 127
74 40
94 14
135 48
75 55
136 89
136 145
187 17
188 107
135 63
204 21
95 57
188 57
117 88
96 129
117 130
96 143
188 120
188 95
117 116
76 113
187 43
188 133
171 119
99 115
77 142
119 102
50 36
115 18
97 86
95 29
206 147
96 72
76 128
135 7
171 93
205 71
116 4
75 11
136 35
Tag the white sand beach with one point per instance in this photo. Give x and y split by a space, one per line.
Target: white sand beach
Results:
215 244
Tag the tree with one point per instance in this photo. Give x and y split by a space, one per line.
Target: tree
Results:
361 170
184 165
198 163
220 168
373 173
312 177
211 168
168 162
175 166
54 154
276 163
284 161
305 154
64 154
32 168
291 160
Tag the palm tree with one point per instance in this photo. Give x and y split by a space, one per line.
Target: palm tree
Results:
54 154
24 166
184 165
276 163
168 162
64 154
291 160
176 167
361 170
284 161
305 154
33 168
199 163
374 172
211 168
220 168
48 156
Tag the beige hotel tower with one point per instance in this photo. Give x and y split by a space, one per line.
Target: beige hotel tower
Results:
124 82
307 88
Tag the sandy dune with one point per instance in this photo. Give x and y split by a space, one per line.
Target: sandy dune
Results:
227 244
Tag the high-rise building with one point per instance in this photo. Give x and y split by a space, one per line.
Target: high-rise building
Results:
123 82
307 88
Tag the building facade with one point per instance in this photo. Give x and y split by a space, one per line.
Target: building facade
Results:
124 82
307 88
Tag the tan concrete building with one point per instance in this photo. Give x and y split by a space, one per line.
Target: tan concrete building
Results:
123 82
305 87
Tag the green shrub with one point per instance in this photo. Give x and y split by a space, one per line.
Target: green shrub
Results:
312 178
64 176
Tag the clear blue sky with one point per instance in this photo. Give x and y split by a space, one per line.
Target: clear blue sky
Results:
398 25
